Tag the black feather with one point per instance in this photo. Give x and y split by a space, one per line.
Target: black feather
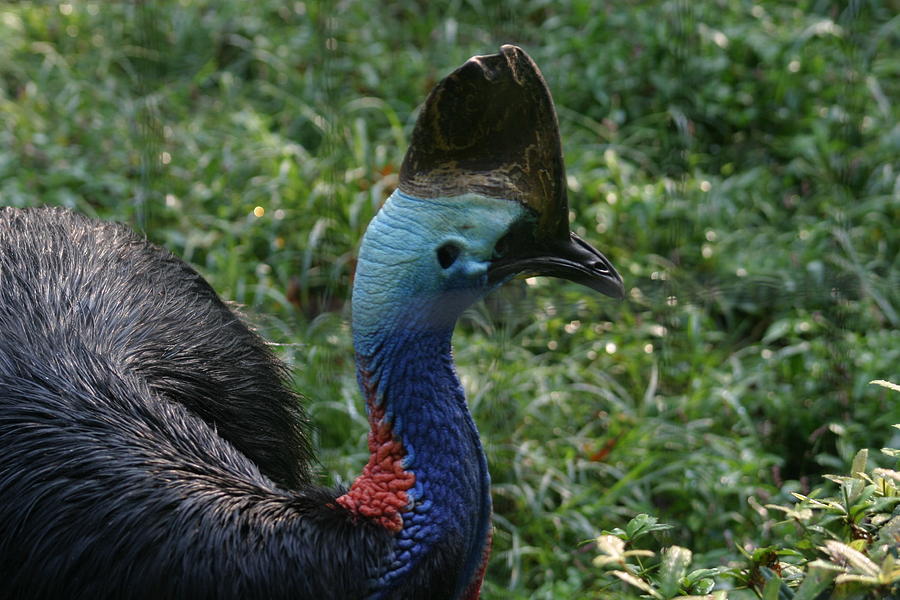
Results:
124 470
67 280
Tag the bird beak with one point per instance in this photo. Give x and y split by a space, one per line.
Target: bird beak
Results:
490 128
569 258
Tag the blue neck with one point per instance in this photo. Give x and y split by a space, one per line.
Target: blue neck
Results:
450 504
405 305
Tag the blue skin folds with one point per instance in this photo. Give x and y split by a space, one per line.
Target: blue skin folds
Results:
405 305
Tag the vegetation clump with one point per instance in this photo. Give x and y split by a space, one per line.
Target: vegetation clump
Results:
839 542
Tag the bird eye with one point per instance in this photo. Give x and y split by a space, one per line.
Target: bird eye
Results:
447 254
501 248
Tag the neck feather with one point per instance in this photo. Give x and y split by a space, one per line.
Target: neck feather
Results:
426 479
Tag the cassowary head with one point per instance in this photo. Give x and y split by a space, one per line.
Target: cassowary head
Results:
482 199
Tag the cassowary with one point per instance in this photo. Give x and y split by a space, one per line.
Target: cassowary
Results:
150 446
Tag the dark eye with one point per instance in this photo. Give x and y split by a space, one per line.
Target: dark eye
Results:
447 254
501 248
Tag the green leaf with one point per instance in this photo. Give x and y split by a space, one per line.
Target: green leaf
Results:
643 524
777 330
675 561
816 581
694 577
775 588
762 556
704 586
770 592
859 462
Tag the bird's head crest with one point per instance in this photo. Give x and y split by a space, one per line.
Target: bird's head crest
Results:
490 128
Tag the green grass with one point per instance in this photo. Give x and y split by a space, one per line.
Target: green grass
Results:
736 161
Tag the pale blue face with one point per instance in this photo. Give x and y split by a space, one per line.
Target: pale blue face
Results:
424 261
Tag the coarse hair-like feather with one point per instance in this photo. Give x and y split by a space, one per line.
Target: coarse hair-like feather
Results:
69 283
149 444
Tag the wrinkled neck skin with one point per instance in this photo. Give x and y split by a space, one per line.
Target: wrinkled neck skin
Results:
405 306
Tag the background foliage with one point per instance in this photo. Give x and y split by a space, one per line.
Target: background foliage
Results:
736 160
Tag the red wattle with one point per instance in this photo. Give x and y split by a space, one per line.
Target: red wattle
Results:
380 492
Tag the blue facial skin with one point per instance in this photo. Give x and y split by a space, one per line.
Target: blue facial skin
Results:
399 281
405 304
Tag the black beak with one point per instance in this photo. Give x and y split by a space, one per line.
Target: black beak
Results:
572 259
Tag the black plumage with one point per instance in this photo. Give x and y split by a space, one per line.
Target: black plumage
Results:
70 280
121 377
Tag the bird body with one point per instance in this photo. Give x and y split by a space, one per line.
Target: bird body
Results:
109 486
150 446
